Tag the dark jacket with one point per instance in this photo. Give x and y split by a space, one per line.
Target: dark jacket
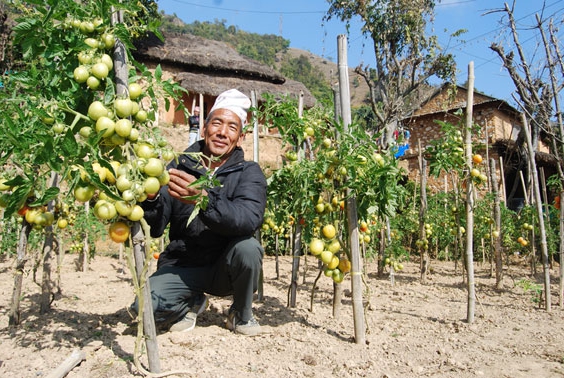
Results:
235 209
194 122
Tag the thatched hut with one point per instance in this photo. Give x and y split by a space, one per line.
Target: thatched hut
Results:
207 68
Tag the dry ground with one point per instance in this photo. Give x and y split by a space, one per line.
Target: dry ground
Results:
413 330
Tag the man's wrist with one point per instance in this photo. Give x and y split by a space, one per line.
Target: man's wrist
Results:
153 197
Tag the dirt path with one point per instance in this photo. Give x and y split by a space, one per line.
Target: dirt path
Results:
414 330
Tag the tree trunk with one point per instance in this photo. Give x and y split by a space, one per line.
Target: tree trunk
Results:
538 202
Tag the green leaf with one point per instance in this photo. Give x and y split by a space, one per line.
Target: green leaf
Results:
49 195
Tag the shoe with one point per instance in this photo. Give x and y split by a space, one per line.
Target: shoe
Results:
249 328
189 321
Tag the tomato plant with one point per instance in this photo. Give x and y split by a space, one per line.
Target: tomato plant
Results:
319 174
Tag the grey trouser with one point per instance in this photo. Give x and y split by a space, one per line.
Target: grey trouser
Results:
174 289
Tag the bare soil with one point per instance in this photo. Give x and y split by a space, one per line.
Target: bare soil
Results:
413 330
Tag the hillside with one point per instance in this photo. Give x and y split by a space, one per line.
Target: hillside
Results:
273 51
358 87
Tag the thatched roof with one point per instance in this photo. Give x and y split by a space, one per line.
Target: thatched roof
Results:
210 67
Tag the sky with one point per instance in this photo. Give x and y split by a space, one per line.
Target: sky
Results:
301 22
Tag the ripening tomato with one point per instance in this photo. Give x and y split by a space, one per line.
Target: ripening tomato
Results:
119 232
477 159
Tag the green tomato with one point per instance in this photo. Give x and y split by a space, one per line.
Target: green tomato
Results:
97 110
108 61
135 90
154 167
84 193
123 208
123 183
58 128
100 70
123 127
80 74
109 40
136 213
151 185
123 107
85 131
93 83
104 210
92 42
144 150
134 135
106 125
85 57
141 116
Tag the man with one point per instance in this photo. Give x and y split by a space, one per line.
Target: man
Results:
194 122
216 252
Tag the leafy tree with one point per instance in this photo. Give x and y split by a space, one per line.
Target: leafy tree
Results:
406 57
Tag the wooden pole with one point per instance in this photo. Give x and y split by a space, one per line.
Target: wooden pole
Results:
352 215
48 248
497 226
296 250
470 198
15 313
424 255
538 203
502 174
137 235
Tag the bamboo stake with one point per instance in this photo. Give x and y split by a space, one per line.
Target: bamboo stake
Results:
48 247
296 250
140 247
470 199
352 216
502 174
424 262
497 225
15 314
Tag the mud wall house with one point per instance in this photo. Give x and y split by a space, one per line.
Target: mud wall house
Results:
499 127
205 68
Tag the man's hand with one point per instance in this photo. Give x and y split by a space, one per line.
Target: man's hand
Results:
178 186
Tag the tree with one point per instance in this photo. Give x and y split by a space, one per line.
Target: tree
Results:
539 85
406 57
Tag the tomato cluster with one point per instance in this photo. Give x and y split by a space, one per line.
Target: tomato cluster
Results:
327 247
132 166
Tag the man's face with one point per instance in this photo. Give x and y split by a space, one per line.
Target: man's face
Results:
222 133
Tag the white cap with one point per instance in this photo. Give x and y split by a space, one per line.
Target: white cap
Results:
235 101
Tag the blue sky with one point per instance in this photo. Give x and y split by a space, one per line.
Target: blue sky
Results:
301 22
